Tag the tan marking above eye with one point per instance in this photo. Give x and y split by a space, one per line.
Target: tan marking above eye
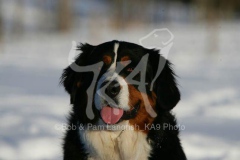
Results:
107 59
124 60
78 84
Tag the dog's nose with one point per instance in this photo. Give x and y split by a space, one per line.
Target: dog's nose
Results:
113 89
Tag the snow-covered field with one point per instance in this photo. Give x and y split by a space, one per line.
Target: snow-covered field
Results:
32 103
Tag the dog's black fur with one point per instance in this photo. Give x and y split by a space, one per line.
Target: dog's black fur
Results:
165 143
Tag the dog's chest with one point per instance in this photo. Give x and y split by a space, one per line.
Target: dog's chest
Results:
118 145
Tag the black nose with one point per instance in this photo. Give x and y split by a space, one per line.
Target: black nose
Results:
113 89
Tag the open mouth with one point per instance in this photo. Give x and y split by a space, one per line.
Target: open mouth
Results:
112 115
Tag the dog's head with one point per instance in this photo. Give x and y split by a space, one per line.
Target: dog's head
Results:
120 82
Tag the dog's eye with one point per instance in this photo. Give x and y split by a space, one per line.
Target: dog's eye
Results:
130 69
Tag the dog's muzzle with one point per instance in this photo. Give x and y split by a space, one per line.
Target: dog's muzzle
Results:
112 89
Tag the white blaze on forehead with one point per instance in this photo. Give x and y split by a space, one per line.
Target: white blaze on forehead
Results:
116 45
114 64
101 99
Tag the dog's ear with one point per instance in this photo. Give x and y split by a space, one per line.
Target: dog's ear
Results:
165 85
70 79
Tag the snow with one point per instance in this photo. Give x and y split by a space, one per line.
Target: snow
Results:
32 103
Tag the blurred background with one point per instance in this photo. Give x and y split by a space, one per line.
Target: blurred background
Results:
36 37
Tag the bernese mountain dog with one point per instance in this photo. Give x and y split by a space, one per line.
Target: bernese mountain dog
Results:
121 95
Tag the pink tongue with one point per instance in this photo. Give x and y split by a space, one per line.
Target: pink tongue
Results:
111 115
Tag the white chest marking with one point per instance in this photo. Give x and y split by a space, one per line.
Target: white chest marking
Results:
118 145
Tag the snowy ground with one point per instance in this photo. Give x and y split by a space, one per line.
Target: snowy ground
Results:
32 103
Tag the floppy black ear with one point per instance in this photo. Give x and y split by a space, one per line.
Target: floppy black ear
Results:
69 77
165 86
167 92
